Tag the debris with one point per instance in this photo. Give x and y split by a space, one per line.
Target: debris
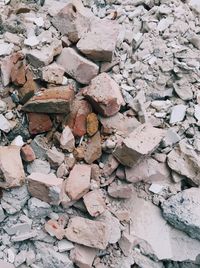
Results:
94 203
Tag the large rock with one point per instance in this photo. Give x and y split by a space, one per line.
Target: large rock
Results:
73 20
78 182
83 256
139 144
78 67
11 168
100 41
53 100
47 188
185 161
86 232
148 170
183 211
155 237
104 95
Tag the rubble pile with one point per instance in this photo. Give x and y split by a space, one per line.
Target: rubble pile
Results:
99 133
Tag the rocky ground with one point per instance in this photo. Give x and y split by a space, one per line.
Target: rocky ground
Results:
99 134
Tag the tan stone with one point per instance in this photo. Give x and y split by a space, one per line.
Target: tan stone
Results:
83 256
47 188
73 20
100 41
54 229
78 182
123 191
139 144
11 168
104 95
78 67
52 100
53 73
110 166
126 243
55 157
94 203
86 232
93 150
67 141
92 124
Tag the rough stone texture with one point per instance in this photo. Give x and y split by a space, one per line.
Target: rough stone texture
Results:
172 244
45 187
139 144
54 229
78 67
73 20
148 170
83 256
185 161
5 125
53 74
78 182
81 231
39 123
94 203
93 150
182 211
77 119
55 157
27 153
178 113
104 95
123 191
53 100
11 168
67 141
100 41
92 124
119 123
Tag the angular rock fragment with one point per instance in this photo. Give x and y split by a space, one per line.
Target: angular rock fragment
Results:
94 203
11 168
53 100
27 153
45 187
83 256
104 95
100 41
81 231
5 125
77 119
110 166
78 182
119 123
92 124
73 20
81 69
18 74
39 123
44 56
6 49
39 166
53 74
139 144
185 161
126 243
93 151
123 191
182 211
178 113
67 141
55 157
148 170
54 229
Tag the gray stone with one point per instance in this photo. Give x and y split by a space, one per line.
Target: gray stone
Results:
5 264
55 157
38 208
2 215
65 245
184 89
39 166
14 200
6 49
40 147
178 113
3 106
50 258
183 211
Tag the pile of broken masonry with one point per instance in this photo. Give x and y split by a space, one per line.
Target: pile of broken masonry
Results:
99 134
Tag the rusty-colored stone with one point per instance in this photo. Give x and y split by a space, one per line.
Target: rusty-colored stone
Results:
92 124
39 123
